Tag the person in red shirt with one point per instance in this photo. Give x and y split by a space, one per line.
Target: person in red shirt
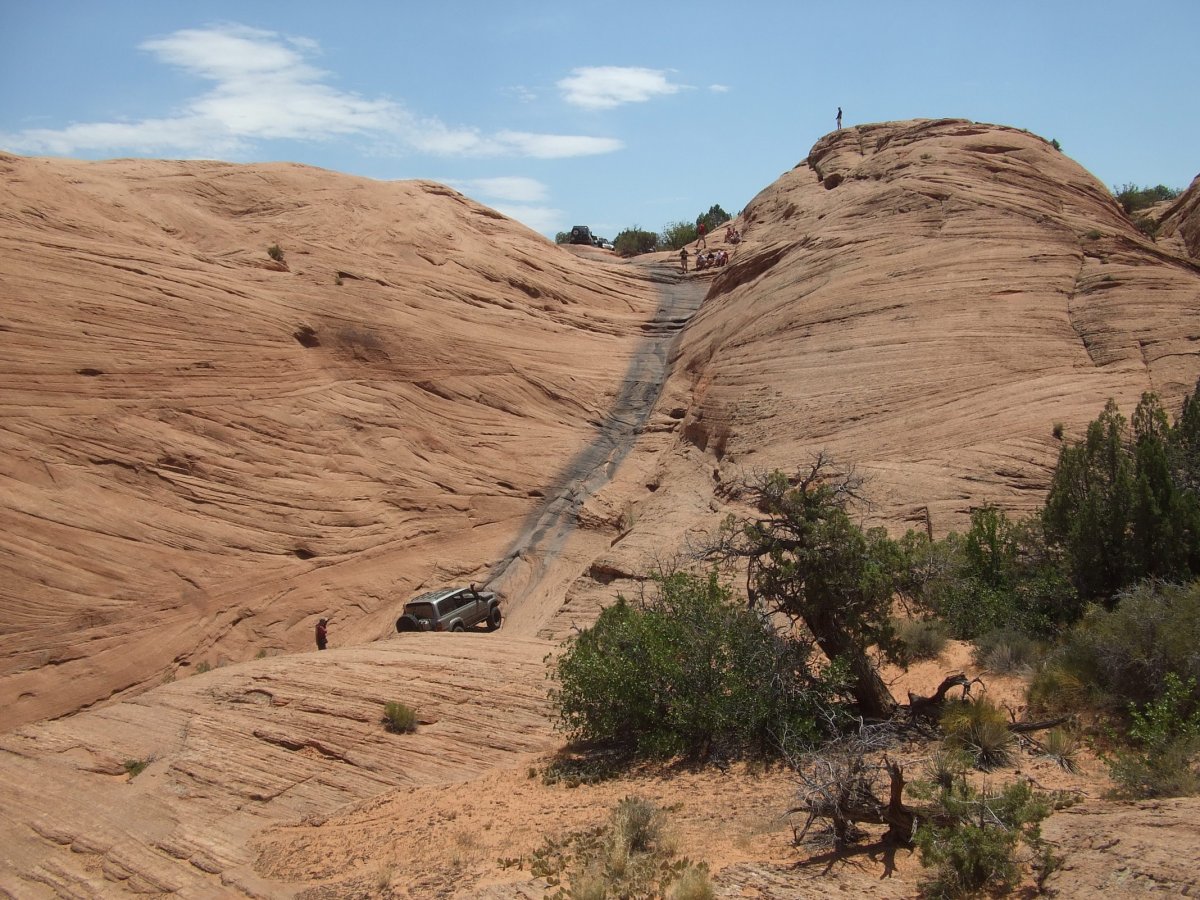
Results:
700 229
322 633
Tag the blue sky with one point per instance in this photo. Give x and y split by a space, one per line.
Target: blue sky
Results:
605 114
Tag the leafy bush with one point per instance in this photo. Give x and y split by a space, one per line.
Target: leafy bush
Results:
203 666
1126 654
972 841
1000 574
677 234
275 252
1166 737
633 241
685 671
399 718
979 729
135 767
1132 198
920 638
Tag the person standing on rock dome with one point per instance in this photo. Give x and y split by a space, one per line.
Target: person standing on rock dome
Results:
683 255
839 118
322 633
700 241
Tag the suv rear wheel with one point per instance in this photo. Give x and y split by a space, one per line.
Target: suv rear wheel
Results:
494 619
458 626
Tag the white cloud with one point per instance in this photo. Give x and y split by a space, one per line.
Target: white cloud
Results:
555 146
719 88
542 219
265 88
512 188
605 87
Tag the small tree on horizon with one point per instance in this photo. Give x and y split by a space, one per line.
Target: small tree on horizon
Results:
713 218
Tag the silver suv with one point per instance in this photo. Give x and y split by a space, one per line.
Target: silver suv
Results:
451 609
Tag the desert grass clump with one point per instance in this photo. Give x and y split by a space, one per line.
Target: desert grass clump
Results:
399 718
631 855
203 666
1007 651
694 884
275 252
921 638
135 767
1062 746
980 729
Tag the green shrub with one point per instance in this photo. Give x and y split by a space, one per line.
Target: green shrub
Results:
275 252
1166 738
1057 431
676 235
135 767
1147 226
685 671
979 729
633 241
1000 574
399 718
1124 655
1132 198
203 666
972 839
920 639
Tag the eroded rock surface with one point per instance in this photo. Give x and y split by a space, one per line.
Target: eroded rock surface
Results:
203 449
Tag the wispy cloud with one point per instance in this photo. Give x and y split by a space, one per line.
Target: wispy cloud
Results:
510 187
605 87
554 146
515 196
543 219
719 88
265 88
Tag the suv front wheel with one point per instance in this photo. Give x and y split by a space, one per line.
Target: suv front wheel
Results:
494 619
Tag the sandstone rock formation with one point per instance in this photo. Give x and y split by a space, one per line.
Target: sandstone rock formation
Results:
926 300
202 451
1182 218
205 449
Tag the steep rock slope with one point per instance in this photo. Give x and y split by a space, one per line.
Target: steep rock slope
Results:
1182 219
203 449
930 338
925 300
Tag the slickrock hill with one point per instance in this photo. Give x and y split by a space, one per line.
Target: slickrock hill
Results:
202 450
1182 218
926 299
